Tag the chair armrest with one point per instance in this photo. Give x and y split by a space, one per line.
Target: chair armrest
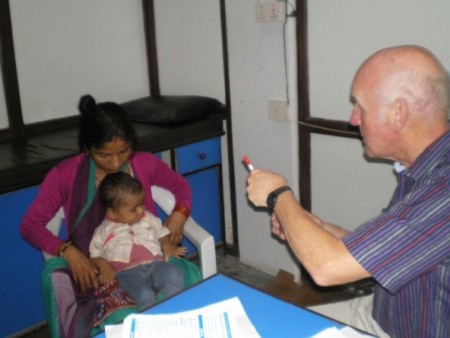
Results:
205 245
200 238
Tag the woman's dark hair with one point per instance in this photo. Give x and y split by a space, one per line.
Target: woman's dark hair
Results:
102 122
114 186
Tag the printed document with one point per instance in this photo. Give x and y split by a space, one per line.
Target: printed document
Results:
225 319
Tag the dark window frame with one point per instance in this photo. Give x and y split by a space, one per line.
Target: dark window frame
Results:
309 125
15 128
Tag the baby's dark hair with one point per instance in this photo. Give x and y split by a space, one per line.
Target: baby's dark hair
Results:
114 186
102 122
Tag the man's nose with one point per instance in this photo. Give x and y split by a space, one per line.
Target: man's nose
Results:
355 117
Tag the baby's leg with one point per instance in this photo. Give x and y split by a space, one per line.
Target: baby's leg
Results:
166 278
135 282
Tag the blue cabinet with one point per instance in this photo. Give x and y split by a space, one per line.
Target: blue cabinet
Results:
200 163
198 156
21 266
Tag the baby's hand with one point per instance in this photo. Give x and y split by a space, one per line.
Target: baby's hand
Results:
174 251
180 251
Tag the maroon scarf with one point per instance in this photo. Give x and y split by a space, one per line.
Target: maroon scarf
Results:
84 215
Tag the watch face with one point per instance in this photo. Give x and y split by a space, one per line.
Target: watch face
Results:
271 199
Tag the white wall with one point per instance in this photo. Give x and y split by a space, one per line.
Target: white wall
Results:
257 76
65 49
189 43
343 33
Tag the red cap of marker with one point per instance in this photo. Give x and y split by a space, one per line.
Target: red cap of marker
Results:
247 162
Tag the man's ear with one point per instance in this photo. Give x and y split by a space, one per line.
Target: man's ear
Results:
401 114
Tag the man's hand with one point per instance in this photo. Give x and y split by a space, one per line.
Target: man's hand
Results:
83 270
260 183
277 228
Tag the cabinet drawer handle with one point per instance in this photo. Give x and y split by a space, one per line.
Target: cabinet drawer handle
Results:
202 156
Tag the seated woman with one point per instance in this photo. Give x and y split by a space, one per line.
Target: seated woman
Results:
108 143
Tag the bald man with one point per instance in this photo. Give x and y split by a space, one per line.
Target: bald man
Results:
401 102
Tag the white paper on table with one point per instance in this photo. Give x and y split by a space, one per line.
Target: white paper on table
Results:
331 332
223 319
113 331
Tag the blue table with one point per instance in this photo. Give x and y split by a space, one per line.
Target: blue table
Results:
271 316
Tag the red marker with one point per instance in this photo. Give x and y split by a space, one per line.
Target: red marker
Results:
247 162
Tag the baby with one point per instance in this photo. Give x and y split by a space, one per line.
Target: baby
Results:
135 243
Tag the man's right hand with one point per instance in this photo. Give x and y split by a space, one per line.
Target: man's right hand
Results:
260 183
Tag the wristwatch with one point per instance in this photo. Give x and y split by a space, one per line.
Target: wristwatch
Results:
272 197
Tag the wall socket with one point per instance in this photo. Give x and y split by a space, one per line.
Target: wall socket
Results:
270 11
278 110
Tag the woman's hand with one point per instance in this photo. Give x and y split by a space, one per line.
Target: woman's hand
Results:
106 272
83 270
175 223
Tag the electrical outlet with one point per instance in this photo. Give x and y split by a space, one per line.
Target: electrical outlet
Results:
270 11
278 110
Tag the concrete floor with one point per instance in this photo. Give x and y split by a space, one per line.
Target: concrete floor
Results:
232 267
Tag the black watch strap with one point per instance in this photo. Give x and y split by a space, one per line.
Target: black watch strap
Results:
272 197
